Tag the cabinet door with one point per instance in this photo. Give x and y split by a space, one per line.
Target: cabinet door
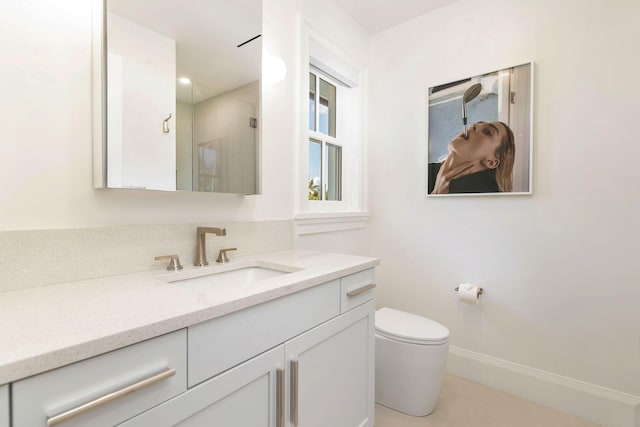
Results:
331 372
247 395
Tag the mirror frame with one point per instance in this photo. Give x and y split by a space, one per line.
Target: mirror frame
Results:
99 93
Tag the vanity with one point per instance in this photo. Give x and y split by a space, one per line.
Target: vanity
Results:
279 339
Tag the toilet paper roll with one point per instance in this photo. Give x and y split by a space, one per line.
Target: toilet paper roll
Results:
468 293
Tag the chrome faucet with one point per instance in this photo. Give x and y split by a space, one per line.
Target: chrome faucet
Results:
201 243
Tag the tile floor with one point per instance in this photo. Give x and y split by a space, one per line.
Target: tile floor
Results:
464 403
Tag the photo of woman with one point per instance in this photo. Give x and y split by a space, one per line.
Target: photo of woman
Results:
492 155
481 163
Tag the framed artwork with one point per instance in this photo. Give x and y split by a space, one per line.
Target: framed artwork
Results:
479 134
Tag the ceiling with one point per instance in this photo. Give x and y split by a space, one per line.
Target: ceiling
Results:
378 15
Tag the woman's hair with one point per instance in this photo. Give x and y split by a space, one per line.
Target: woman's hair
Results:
505 152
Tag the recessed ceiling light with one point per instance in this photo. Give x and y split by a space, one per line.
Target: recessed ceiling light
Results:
184 80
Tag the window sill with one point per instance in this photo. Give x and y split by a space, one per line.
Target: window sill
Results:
329 222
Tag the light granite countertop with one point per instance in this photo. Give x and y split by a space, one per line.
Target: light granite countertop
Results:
51 326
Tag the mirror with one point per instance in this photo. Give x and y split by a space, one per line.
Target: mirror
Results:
181 95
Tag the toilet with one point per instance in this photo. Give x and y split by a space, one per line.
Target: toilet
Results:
411 352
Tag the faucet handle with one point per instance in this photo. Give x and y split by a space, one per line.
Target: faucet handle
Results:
222 255
174 265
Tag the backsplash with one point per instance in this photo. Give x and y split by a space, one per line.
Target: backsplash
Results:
32 258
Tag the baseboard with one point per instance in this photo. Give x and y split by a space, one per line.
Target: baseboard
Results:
600 405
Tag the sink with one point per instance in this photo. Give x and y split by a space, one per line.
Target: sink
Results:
235 276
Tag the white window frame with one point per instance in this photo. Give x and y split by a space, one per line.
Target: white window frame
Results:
326 56
325 139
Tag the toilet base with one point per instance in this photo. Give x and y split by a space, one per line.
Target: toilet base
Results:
409 376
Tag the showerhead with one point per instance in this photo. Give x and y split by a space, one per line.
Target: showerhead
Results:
469 95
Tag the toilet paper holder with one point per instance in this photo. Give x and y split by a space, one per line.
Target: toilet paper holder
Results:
480 290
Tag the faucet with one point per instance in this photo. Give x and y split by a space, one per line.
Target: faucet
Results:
201 243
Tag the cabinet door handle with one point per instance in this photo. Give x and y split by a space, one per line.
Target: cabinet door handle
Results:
361 290
54 421
294 393
280 397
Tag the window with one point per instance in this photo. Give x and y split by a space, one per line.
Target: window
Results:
330 179
325 145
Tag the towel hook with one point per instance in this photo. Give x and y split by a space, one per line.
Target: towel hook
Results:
165 124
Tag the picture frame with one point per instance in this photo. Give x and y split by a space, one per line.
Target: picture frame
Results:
493 155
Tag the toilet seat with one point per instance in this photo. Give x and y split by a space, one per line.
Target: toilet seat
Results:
409 328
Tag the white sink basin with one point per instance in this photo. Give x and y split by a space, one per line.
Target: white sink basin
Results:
236 276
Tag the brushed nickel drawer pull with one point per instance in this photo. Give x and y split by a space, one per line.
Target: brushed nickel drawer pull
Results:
280 397
54 421
294 393
361 290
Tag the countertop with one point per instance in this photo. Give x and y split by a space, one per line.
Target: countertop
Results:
51 326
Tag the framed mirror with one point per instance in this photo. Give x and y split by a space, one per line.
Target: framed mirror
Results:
480 134
179 96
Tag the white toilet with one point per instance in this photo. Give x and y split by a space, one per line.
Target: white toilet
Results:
411 352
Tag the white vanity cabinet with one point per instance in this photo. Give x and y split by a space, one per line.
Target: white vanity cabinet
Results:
4 405
296 361
104 390
303 359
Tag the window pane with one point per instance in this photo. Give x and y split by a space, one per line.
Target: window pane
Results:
312 101
315 169
327 108
333 156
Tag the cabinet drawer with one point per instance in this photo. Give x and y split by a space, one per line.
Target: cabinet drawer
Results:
356 289
113 377
4 406
221 343
243 396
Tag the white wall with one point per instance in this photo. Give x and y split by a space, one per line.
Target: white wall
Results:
558 267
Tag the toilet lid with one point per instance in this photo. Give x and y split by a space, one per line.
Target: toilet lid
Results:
407 327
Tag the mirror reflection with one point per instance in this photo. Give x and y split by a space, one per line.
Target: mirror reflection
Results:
183 94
